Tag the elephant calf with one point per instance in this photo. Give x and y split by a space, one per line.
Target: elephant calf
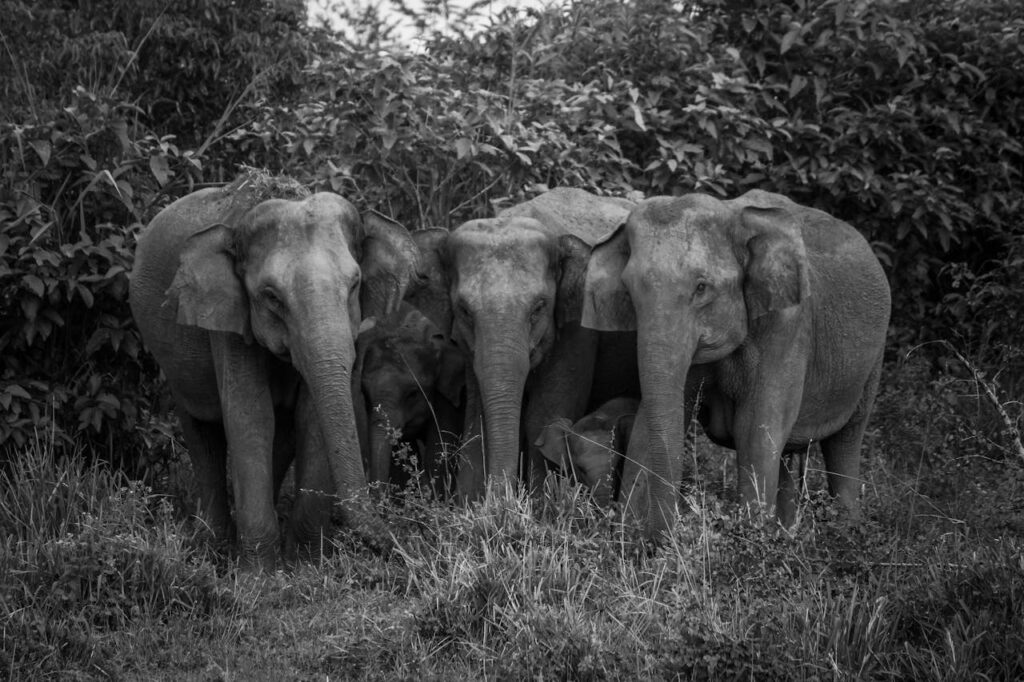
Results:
593 449
411 378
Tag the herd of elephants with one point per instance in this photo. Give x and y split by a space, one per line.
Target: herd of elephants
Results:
572 329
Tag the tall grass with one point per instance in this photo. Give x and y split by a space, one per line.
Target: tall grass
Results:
88 552
101 578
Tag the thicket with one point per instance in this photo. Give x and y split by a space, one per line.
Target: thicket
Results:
904 118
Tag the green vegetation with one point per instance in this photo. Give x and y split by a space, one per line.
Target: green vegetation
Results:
102 581
904 118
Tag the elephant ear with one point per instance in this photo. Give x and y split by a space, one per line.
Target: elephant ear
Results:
553 443
776 272
390 261
429 291
206 291
573 255
606 302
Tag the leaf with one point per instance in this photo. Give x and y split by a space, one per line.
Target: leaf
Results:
35 285
840 12
30 308
796 85
43 149
790 38
85 294
16 391
638 117
160 169
463 147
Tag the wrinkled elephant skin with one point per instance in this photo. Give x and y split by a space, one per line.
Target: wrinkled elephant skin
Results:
774 314
250 307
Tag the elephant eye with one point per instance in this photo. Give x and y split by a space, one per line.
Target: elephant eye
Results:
701 289
538 308
271 299
464 313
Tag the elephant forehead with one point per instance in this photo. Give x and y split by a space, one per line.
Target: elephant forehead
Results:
297 269
501 259
499 234
504 284
323 220
693 240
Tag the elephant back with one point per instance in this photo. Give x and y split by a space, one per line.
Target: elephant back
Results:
569 210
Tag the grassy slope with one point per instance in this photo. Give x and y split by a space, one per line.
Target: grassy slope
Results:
102 579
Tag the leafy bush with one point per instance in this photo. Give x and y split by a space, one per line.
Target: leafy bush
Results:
73 194
904 118
99 108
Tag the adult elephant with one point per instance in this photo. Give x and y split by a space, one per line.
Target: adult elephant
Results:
515 286
772 314
250 304
411 377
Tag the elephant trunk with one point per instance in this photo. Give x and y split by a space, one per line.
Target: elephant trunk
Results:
501 363
325 360
664 362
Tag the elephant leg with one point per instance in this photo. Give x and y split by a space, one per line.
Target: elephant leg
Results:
560 387
792 467
309 523
248 414
765 417
208 451
471 479
762 426
841 450
284 447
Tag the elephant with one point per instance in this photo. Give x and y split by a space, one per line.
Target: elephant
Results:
411 378
593 449
249 297
514 286
764 318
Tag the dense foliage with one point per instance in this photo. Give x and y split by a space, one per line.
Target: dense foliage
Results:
904 118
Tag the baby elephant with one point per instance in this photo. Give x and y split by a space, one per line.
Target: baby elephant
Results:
593 448
411 378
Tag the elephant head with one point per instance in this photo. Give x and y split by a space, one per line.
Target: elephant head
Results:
593 449
297 278
697 278
511 283
405 365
